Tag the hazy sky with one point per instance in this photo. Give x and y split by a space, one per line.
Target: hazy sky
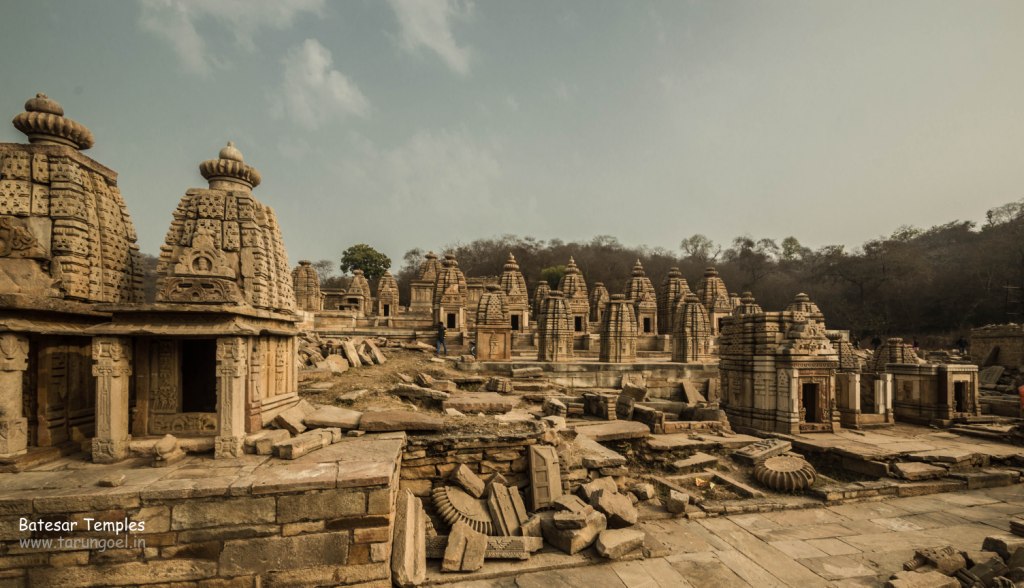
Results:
417 123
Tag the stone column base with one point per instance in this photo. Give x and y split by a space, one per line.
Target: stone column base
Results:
13 437
109 451
228 447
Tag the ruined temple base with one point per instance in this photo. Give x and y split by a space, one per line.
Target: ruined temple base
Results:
322 519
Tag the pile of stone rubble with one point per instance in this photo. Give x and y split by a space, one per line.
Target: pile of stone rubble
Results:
999 564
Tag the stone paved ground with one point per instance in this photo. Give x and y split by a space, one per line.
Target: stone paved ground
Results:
858 544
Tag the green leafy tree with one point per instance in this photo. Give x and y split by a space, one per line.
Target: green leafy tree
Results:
552 275
362 256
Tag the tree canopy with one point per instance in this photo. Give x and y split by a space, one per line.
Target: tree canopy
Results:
362 256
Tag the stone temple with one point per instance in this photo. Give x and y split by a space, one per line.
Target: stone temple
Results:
271 431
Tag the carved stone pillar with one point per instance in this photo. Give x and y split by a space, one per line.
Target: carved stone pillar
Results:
231 367
112 368
13 424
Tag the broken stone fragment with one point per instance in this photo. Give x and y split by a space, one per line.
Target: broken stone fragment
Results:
614 543
570 503
643 490
292 419
531 528
929 579
570 520
333 416
676 502
262 443
617 507
573 541
399 420
112 481
408 554
465 551
587 491
469 481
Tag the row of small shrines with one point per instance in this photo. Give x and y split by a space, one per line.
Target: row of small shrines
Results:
84 357
442 291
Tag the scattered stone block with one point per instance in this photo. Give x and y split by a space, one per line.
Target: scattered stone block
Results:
408 553
676 502
497 547
470 482
614 430
293 418
348 348
527 372
990 375
554 407
336 363
695 463
507 509
643 490
262 443
915 471
572 541
691 394
455 505
112 481
418 393
375 353
565 519
944 559
545 478
353 395
531 528
499 385
399 420
1004 545
570 503
588 490
167 451
453 412
333 416
303 444
614 543
929 579
616 507
485 402
761 450
445 386
1017 526
465 551
424 379
989 570
594 455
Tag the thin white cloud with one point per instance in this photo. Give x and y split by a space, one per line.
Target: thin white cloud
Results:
423 176
428 24
565 91
312 92
178 22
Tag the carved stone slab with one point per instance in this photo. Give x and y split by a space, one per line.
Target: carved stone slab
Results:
465 550
762 450
545 479
408 555
507 509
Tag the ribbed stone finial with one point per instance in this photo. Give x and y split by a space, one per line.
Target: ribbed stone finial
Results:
43 122
229 170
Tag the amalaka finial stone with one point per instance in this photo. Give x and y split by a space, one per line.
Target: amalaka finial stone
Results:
43 122
229 170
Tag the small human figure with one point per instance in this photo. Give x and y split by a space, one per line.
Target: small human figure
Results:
472 348
440 339
961 345
876 342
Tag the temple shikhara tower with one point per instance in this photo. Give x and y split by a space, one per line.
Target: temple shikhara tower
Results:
224 270
67 246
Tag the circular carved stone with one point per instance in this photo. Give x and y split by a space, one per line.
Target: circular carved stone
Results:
454 505
787 473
